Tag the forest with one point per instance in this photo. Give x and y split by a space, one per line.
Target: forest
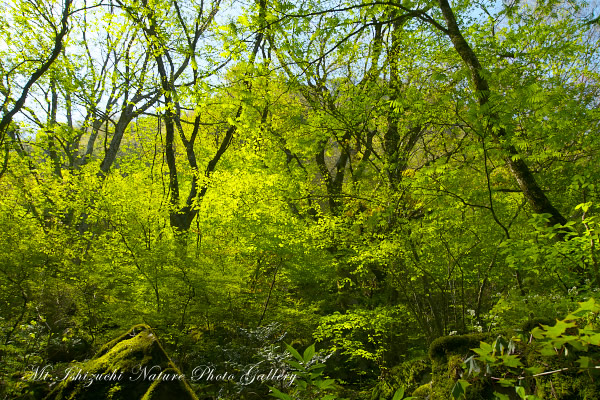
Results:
315 199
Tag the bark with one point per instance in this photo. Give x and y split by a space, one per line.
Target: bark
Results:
50 130
89 149
126 117
333 182
130 110
397 145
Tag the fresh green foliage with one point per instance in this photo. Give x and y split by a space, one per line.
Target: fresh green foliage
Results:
382 178
311 382
574 341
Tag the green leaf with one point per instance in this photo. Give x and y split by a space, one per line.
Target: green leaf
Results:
301 384
585 308
399 395
295 364
309 353
501 396
507 382
329 397
558 329
512 361
318 368
280 395
594 339
547 350
499 345
326 384
584 362
534 370
459 389
294 353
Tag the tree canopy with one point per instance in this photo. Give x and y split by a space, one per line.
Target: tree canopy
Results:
368 175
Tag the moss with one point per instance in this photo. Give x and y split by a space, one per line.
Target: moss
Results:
460 344
423 391
115 392
565 385
125 368
447 355
408 375
444 376
158 390
126 336
480 389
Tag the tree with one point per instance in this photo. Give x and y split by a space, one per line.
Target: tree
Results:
192 30
369 175
57 27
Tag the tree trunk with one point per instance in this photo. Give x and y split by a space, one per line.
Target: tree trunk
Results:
533 192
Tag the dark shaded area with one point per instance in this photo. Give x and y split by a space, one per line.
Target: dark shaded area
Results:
133 366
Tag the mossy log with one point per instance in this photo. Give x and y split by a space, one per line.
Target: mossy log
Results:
133 366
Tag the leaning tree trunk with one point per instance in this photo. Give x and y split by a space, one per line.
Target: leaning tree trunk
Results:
536 198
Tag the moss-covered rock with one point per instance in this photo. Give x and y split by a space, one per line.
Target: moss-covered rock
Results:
461 344
423 391
569 384
447 355
133 366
